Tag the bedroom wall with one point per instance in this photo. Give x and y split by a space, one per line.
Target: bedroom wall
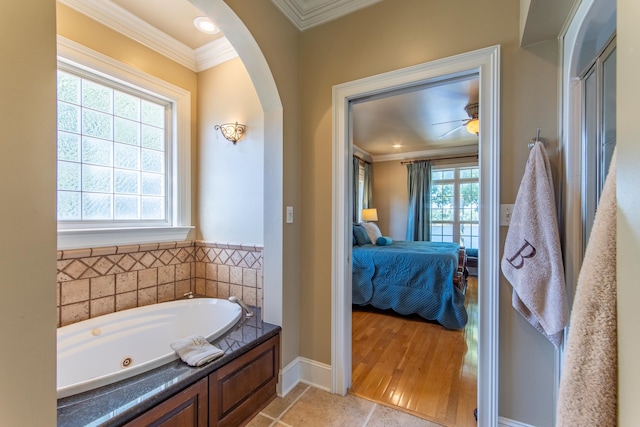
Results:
392 35
391 198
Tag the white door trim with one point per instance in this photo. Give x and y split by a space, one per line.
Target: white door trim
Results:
486 62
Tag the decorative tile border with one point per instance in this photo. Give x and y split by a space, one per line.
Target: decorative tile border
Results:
225 269
96 281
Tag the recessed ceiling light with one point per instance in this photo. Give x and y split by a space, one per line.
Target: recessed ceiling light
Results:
205 25
397 145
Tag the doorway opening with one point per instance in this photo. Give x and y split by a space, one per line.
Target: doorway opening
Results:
485 63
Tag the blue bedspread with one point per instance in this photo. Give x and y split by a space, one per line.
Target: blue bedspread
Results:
410 277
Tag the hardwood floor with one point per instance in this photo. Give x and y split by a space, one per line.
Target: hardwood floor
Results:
409 363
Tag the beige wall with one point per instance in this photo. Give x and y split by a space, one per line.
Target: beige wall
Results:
391 35
81 29
628 40
230 177
27 213
414 31
278 40
391 198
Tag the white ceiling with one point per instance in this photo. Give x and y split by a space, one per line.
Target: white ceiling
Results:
401 118
414 119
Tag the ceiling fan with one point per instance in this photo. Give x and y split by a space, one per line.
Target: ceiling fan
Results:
472 124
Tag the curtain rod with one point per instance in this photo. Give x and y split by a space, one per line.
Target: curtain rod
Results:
360 158
439 158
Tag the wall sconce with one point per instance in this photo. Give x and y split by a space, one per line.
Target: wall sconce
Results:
370 214
232 131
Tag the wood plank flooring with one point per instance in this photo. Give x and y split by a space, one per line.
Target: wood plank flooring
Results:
420 367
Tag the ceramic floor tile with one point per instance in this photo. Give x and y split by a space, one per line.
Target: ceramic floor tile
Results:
322 409
276 408
260 421
384 416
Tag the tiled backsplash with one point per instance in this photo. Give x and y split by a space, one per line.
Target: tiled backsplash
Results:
96 281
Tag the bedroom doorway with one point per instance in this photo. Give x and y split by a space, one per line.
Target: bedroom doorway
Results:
484 63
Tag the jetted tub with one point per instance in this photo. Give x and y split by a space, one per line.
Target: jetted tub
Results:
110 348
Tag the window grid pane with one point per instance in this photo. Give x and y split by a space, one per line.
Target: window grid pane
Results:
455 205
111 152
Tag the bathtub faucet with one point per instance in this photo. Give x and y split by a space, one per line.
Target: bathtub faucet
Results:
244 306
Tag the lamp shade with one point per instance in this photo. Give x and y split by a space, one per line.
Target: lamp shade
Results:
370 214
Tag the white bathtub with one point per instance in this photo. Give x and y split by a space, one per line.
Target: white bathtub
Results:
109 348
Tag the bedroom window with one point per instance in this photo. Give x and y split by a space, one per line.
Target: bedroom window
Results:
454 205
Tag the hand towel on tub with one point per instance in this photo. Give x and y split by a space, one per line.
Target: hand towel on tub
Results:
195 350
532 259
589 383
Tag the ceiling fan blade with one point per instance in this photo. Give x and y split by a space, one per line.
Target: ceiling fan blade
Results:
452 131
451 121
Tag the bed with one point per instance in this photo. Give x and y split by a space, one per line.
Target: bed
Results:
424 278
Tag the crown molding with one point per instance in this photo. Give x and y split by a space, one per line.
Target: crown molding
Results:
305 15
450 151
214 53
126 23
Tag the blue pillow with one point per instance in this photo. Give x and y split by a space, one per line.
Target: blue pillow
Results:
362 238
384 241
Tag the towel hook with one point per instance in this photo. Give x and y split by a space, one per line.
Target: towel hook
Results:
534 140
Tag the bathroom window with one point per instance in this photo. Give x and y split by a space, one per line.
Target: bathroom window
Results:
113 145
123 146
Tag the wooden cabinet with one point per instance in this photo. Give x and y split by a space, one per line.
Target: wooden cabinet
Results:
230 396
243 387
189 408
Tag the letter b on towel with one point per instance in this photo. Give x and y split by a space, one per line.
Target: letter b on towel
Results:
521 255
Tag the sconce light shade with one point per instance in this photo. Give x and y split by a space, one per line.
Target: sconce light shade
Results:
232 131
370 214
473 126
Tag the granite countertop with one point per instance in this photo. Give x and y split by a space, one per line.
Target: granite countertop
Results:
118 403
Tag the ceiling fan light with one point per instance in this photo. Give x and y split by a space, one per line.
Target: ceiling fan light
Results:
473 126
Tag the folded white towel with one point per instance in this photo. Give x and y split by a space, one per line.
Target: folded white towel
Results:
532 259
195 350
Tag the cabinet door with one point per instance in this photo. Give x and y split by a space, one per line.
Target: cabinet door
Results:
243 387
189 408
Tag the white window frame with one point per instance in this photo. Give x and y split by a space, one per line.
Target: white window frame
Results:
179 221
456 181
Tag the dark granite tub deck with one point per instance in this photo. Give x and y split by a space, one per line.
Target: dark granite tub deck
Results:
118 403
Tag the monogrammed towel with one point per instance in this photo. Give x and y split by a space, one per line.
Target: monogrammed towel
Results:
195 350
532 258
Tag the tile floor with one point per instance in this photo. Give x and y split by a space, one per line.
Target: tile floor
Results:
307 406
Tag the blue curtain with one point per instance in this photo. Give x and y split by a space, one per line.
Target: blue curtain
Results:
367 200
419 218
356 186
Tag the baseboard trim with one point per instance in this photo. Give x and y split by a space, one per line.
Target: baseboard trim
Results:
506 422
303 370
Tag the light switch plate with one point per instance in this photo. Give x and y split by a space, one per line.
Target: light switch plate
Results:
289 214
505 214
